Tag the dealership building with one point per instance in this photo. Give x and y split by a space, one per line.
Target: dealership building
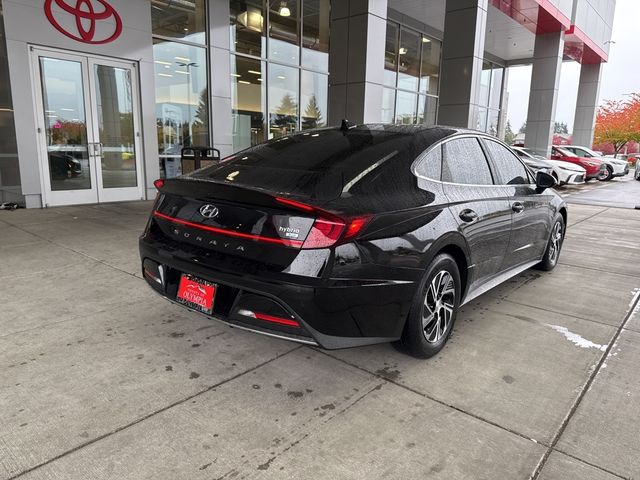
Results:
99 97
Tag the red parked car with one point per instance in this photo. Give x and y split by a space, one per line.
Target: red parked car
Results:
595 168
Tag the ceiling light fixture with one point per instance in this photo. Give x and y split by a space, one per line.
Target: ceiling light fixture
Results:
403 51
284 10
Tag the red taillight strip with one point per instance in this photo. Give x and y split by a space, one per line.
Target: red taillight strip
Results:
230 233
281 321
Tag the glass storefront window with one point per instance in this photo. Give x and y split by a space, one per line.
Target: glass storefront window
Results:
315 35
391 55
482 119
388 104
492 122
284 28
247 26
485 84
314 94
430 69
184 19
412 66
10 186
283 100
427 108
182 100
409 60
496 87
248 102
406 108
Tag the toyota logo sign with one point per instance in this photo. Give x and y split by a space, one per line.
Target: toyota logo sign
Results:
83 18
209 211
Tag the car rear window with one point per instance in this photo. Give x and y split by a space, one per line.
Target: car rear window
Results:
329 163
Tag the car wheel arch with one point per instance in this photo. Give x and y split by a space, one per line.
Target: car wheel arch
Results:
455 245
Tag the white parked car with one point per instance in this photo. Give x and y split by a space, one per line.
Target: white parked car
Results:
637 174
565 173
615 166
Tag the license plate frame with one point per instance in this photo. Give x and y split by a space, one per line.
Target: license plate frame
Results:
196 293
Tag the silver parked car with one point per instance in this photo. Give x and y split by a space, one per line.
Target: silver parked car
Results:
615 166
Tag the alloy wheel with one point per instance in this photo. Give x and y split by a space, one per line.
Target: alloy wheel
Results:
556 243
439 303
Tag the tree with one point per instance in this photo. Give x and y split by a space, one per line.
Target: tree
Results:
312 117
286 115
618 122
560 128
523 128
509 135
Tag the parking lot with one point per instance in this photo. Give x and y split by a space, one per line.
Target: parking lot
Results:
102 379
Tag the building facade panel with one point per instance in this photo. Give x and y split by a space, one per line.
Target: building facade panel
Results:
234 73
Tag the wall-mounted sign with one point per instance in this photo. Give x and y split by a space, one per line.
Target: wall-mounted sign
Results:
85 21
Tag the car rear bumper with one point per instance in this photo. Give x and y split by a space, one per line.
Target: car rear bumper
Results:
331 313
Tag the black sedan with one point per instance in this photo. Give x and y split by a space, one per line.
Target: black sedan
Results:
349 236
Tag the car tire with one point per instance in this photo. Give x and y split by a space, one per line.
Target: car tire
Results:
554 246
433 313
605 177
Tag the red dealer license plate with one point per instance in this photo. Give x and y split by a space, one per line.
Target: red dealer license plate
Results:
196 293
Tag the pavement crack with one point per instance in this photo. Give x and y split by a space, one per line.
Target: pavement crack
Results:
437 400
585 388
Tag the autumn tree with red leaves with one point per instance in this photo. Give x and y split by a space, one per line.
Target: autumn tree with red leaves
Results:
618 122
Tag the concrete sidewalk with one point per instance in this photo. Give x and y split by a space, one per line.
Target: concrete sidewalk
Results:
102 379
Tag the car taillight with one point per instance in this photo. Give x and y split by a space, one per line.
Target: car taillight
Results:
159 183
327 228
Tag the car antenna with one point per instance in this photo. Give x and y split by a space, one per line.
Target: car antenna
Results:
347 125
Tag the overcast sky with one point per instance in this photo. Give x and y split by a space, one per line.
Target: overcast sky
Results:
621 74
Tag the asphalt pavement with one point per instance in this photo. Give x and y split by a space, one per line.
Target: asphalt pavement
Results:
620 192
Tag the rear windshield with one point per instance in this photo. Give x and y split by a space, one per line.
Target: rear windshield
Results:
328 163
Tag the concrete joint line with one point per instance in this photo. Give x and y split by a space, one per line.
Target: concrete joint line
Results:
152 414
436 400
583 392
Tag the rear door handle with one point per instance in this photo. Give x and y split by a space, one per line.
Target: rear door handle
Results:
517 207
468 215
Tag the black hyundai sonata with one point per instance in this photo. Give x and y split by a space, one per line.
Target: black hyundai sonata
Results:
349 236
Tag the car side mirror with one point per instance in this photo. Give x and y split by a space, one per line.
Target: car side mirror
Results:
544 181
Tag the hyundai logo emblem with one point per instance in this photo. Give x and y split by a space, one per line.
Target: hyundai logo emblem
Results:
209 211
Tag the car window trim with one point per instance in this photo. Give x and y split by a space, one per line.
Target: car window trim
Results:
440 143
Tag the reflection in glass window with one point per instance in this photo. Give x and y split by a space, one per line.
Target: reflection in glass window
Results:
182 100
496 87
406 108
10 186
430 70
427 108
185 19
248 102
284 28
412 65
247 26
507 167
464 162
283 100
492 122
388 105
315 35
409 60
391 55
482 119
485 84
314 89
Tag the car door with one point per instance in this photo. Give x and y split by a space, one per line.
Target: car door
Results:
481 210
530 210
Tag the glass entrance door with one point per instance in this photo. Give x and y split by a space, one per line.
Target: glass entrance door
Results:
90 139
